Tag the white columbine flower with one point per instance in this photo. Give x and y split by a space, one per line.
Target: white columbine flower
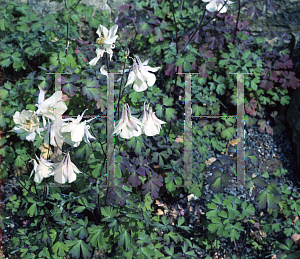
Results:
74 131
140 75
42 169
106 42
127 128
51 106
27 121
216 5
65 171
51 131
152 126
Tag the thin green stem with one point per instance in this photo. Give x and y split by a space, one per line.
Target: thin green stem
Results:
67 40
83 170
23 54
191 38
107 62
120 96
72 9
20 182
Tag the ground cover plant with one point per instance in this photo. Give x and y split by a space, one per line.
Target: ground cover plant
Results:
122 222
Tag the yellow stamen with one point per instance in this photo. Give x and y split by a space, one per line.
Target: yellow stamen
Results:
52 109
101 40
27 125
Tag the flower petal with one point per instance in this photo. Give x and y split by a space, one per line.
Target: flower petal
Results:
110 52
126 133
151 129
94 61
17 117
30 136
104 31
111 40
152 69
41 96
212 6
99 30
77 133
60 107
223 10
121 123
18 129
131 78
69 127
139 86
113 31
102 71
156 120
146 62
151 78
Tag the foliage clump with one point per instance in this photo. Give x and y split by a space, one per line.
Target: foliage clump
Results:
122 222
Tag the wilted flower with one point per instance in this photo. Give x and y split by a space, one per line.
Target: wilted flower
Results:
42 169
65 171
74 132
216 5
153 124
51 106
103 72
127 128
27 121
140 75
106 42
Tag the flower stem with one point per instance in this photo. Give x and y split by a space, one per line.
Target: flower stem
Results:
107 62
122 93
191 38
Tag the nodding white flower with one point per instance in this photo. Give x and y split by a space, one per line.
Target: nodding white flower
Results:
65 171
216 5
152 126
51 106
106 42
51 130
27 121
42 169
127 128
74 131
140 75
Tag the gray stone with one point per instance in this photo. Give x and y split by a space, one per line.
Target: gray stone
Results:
46 7
285 19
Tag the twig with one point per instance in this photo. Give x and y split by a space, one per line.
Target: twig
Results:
23 55
202 26
20 182
67 41
237 21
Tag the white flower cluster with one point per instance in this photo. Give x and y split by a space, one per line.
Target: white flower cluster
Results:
71 132
129 126
141 79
